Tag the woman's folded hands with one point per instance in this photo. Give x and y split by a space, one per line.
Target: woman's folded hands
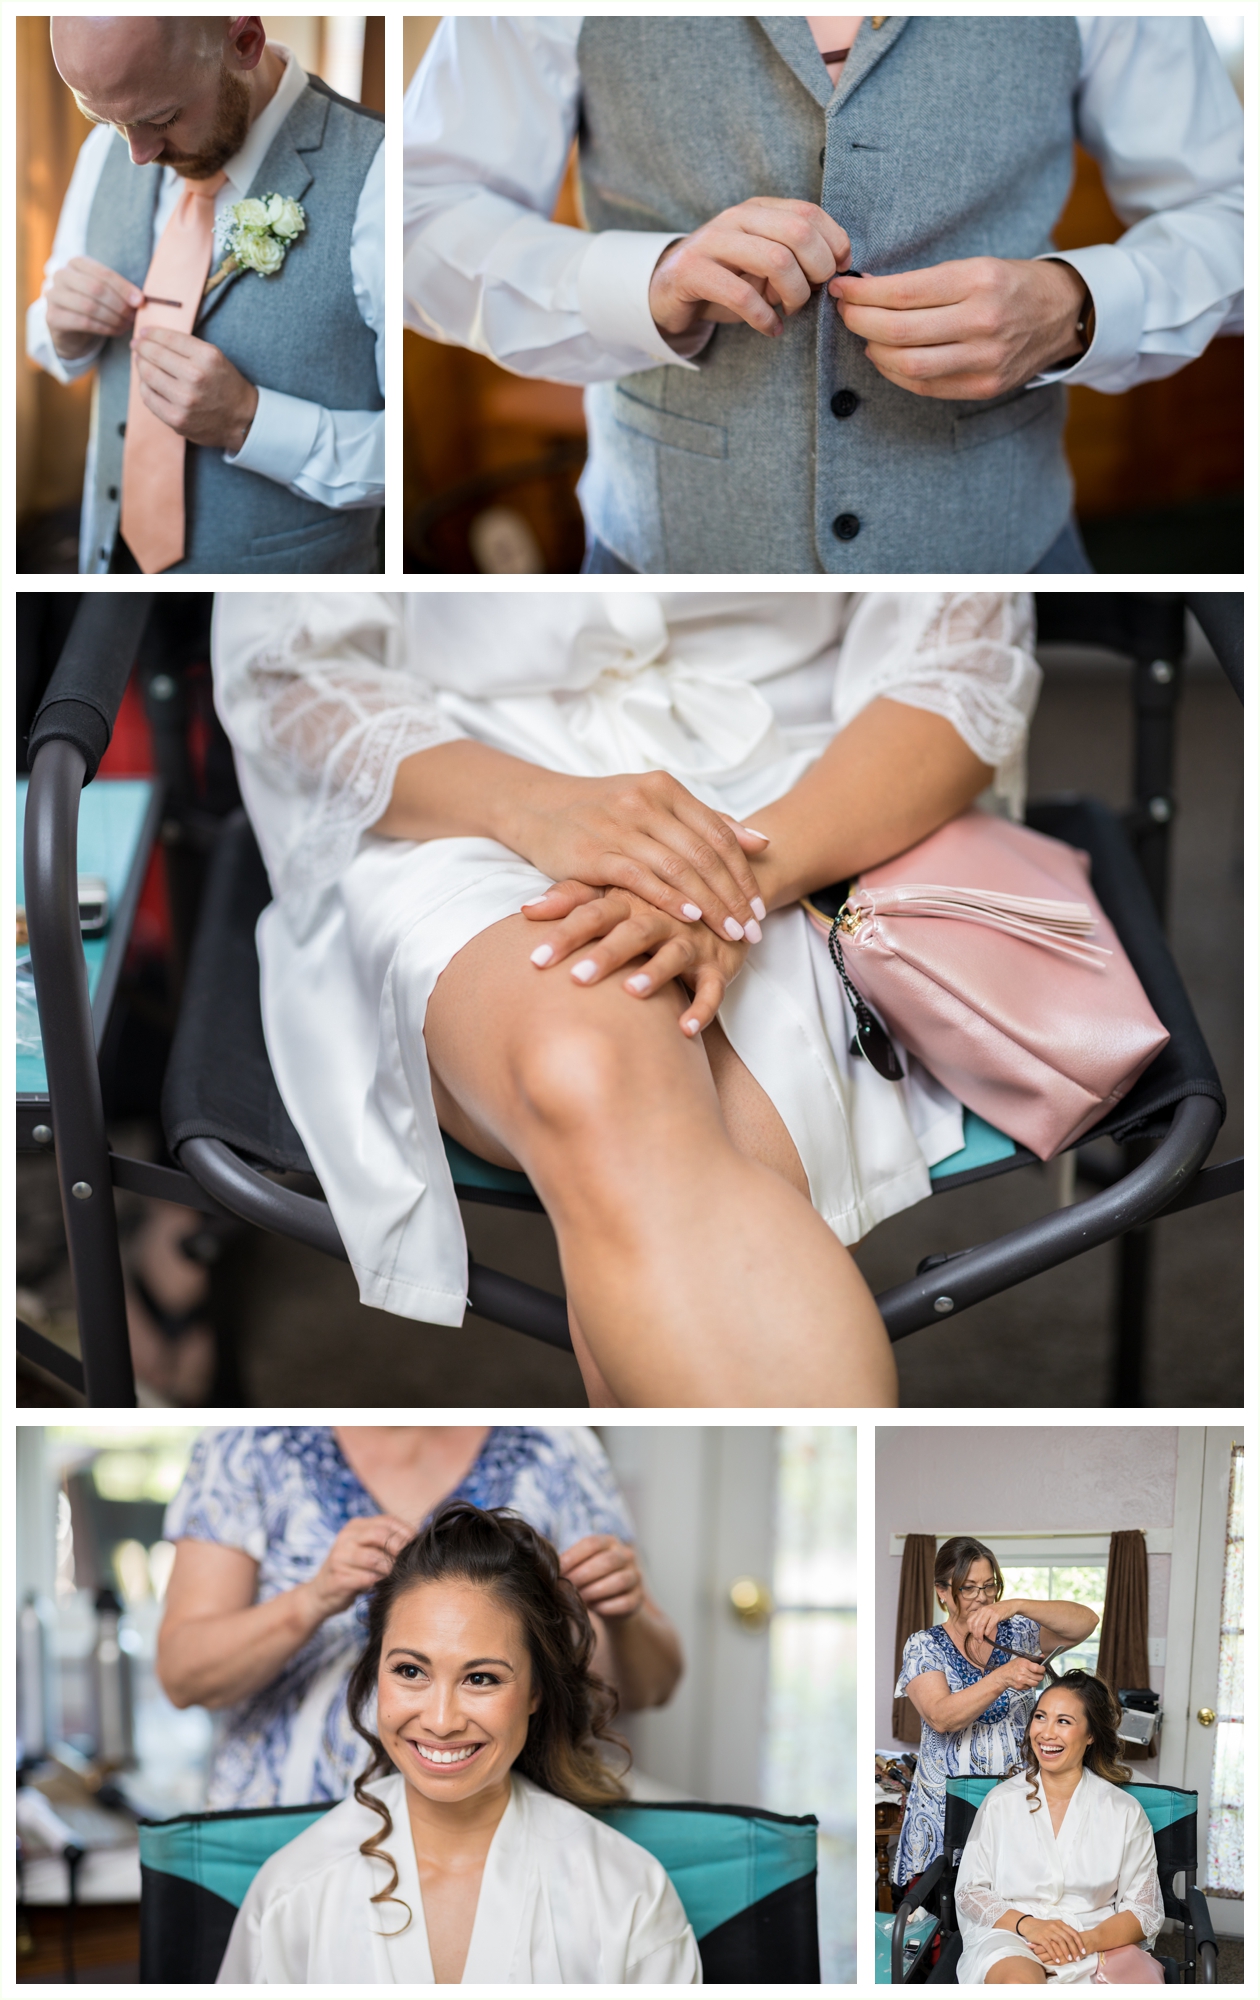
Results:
599 932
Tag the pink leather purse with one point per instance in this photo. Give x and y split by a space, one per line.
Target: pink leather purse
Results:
985 952
1127 1965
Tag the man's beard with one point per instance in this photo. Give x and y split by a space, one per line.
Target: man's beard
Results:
231 127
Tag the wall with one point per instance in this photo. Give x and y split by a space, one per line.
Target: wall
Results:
982 1480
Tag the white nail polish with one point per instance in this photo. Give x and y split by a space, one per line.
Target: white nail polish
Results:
541 955
640 983
529 902
752 931
692 914
758 909
691 1027
586 970
733 930
755 834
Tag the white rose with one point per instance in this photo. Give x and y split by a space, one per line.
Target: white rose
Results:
260 253
250 215
285 216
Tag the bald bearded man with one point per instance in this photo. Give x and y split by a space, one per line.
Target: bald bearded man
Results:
259 445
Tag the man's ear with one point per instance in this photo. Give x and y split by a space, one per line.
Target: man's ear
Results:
245 42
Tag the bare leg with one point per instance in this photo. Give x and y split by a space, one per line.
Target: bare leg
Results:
1015 1972
697 1274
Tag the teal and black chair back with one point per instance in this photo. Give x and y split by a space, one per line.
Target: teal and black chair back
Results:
746 1879
1173 1817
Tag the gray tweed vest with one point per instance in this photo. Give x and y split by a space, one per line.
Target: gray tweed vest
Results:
948 136
299 333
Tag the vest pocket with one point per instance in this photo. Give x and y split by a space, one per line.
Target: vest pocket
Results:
1028 406
664 427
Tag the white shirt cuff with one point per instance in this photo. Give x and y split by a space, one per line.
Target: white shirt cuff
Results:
613 281
1116 288
281 437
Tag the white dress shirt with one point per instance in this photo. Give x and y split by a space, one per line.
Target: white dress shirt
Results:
336 457
493 109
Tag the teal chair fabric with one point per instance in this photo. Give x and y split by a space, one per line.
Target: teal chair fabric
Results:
746 1879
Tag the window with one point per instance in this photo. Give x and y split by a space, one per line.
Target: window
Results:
1224 1871
812 1711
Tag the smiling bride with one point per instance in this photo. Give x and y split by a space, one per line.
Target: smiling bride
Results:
1059 1877
466 1854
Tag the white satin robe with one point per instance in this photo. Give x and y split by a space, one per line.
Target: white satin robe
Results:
1102 1862
734 693
564 1900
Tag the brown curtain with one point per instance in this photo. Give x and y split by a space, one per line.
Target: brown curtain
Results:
1122 1653
915 1604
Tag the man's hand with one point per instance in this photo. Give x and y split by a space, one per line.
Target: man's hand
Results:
86 303
764 253
966 330
607 931
193 388
606 1575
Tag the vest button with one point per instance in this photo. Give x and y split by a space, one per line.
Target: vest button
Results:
113 492
845 527
844 403
122 430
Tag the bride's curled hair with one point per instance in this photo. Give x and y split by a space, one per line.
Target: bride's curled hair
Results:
1102 1719
495 1549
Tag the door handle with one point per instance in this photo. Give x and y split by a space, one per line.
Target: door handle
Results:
1207 1716
751 1602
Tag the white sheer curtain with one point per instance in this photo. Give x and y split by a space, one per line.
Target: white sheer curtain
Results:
1223 1874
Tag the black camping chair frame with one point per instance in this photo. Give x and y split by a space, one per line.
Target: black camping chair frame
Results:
1175 1856
67 741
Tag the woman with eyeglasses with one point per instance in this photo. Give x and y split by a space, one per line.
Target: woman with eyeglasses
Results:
974 1681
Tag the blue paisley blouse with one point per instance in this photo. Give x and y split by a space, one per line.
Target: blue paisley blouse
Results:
988 1747
283 1494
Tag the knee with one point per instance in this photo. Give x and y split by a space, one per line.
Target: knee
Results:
574 1079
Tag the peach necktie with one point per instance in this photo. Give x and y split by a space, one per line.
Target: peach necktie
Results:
153 454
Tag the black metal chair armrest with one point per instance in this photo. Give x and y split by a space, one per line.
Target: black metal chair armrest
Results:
972 1275
1220 614
913 1899
1202 1933
50 860
82 699
247 1193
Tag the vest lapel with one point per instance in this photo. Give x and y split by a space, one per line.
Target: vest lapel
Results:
869 45
284 171
790 34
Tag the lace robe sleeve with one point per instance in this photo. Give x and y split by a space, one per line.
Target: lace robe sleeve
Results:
1139 1889
978 1904
965 655
322 704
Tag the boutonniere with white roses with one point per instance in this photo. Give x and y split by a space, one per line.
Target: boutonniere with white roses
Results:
261 231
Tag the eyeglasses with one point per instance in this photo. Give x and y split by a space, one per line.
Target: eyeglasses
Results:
971 1590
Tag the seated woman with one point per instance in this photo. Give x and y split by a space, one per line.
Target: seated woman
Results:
465 1854
974 1681
279 1530
1058 1877
504 833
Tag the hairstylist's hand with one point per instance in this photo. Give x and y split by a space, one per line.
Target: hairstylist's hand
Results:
606 1575
1054 1942
974 328
763 253
362 1554
984 1619
605 931
646 833
1020 1675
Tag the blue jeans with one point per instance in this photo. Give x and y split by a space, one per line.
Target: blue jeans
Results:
1065 557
